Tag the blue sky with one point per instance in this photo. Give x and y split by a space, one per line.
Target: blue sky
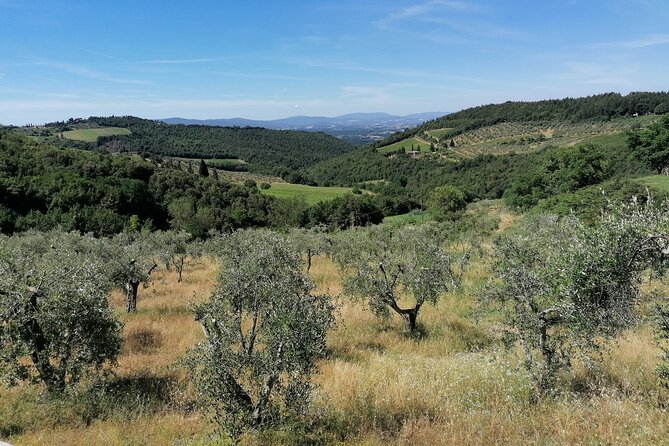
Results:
271 59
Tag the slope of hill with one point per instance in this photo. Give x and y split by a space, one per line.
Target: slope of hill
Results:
564 112
514 155
45 186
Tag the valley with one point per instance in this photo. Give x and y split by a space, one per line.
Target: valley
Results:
458 228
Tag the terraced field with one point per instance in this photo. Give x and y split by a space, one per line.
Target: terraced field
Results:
521 137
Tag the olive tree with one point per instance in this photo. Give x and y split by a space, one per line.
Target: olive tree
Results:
309 242
570 287
55 322
264 330
131 260
383 265
174 248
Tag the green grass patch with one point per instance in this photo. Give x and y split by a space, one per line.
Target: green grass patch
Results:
407 144
310 194
213 161
91 135
659 183
440 133
611 140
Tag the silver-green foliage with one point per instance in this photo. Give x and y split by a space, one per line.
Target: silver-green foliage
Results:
264 332
381 265
55 322
570 287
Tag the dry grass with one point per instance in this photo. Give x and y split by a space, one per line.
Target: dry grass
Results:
455 385
163 329
458 385
165 429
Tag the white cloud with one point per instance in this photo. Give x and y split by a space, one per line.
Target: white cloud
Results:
366 92
447 22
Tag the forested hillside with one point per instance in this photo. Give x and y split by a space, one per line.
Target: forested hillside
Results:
44 187
603 107
275 152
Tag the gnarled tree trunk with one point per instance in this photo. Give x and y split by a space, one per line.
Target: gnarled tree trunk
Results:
131 287
38 354
409 315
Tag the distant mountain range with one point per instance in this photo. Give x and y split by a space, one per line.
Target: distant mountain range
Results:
356 128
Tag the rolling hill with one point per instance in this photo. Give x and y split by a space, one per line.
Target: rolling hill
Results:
529 126
355 128
274 152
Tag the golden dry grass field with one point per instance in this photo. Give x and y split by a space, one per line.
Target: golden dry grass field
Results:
457 385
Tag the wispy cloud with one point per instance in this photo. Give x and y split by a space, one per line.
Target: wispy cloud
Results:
280 93
448 22
479 28
98 53
344 66
423 9
177 61
83 71
249 75
596 73
366 92
642 42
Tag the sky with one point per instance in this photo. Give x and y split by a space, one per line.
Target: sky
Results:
272 59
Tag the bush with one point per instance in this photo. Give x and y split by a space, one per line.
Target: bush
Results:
446 203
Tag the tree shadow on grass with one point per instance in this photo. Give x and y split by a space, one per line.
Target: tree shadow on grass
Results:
129 397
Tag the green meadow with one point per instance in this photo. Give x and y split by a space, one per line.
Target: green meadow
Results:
659 183
91 135
438 133
310 194
407 144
